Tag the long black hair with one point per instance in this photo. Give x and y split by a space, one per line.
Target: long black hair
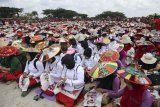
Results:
84 44
32 55
107 82
73 42
99 45
88 52
68 61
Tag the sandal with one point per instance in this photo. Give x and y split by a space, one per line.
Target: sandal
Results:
25 93
37 97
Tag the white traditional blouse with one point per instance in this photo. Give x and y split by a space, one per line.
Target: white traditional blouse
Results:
90 63
30 69
75 78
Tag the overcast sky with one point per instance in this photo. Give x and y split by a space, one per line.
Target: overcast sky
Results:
91 7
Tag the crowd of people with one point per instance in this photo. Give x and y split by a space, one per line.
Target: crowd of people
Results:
115 59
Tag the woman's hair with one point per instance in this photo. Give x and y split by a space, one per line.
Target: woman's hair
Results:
83 31
84 44
32 55
53 59
107 82
64 47
88 52
99 46
73 42
68 61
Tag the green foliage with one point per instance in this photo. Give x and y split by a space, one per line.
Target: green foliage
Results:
30 15
83 16
35 13
155 15
62 13
10 12
111 14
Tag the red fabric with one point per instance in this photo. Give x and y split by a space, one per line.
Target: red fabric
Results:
48 92
142 50
24 40
9 76
158 50
139 53
133 98
32 82
158 24
127 47
67 101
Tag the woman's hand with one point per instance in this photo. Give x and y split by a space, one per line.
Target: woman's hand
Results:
61 82
85 68
63 79
24 74
30 76
100 90
105 95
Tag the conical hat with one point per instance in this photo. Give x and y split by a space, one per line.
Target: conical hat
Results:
8 51
31 49
48 53
4 42
134 76
109 55
103 69
42 45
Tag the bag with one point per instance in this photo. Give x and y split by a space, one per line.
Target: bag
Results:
92 99
56 90
155 78
68 102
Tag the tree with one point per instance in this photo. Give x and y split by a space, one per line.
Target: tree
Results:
111 14
7 12
155 15
62 13
28 15
48 12
83 16
35 13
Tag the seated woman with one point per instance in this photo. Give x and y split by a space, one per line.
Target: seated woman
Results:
100 47
64 47
130 56
88 62
114 45
73 44
148 62
135 93
111 83
72 81
77 56
91 43
84 45
32 72
128 50
10 66
53 71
